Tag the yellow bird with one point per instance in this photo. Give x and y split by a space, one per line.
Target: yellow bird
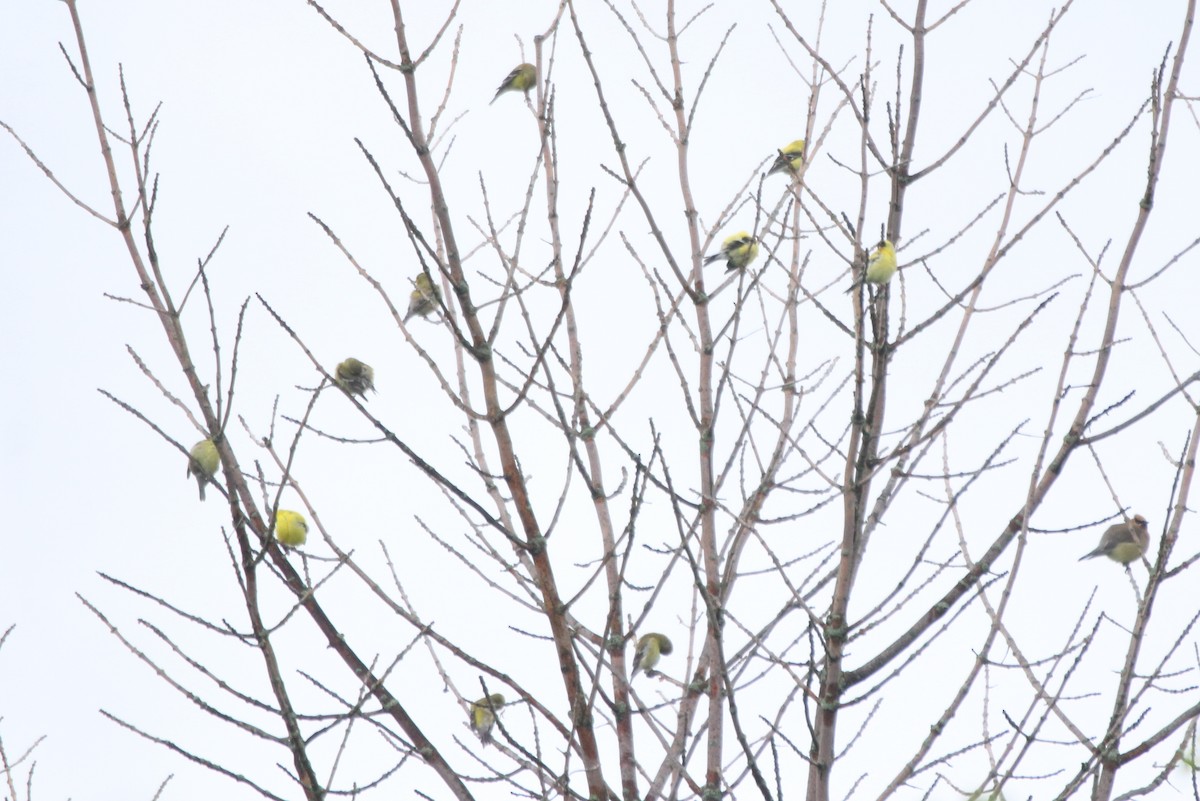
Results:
881 265
423 299
203 462
355 377
790 158
291 528
1123 542
483 716
738 250
521 79
650 647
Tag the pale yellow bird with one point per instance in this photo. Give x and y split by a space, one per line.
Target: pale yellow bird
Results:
355 377
991 794
650 647
521 79
423 299
291 528
738 250
881 265
203 462
483 716
790 158
1123 542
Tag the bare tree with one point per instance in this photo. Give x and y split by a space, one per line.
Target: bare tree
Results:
839 507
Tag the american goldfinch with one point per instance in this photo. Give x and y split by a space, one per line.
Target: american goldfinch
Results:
483 716
649 648
738 250
203 462
521 79
986 795
881 265
790 158
354 377
1123 542
290 528
424 298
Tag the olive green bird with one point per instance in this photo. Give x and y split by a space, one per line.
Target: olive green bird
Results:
790 158
650 648
1123 542
424 298
203 462
483 716
738 250
521 79
355 377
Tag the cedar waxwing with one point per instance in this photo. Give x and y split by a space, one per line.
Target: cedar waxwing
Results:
1123 542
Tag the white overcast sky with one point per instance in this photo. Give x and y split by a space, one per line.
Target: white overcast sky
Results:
261 102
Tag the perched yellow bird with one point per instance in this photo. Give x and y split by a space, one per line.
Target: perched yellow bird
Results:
355 377
790 158
521 79
203 462
738 250
1123 542
291 528
991 794
424 298
881 265
483 716
649 648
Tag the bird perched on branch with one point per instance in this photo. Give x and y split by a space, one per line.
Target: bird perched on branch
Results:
521 79
483 716
203 462
650 647
1123 542
881 266
291 528
424 298
790 158
355 377
738 250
